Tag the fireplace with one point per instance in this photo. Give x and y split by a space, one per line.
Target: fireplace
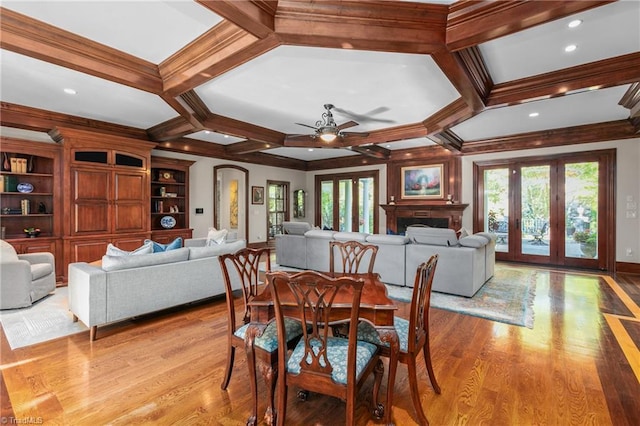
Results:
399 216
435 222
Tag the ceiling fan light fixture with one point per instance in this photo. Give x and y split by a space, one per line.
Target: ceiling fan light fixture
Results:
327 134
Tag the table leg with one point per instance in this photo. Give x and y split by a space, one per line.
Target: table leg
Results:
391 336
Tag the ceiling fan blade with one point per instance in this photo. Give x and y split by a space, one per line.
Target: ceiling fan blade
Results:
347 125
358 134
363 118
300 140
306 125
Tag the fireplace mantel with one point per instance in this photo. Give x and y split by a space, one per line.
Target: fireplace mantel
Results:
452 212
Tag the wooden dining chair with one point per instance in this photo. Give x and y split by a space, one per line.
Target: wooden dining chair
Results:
352 254
246 262
413 333
321 362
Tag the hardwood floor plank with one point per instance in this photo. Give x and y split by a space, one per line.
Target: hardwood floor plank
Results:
167 368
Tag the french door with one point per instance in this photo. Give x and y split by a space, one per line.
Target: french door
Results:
347 202
554 210
278 206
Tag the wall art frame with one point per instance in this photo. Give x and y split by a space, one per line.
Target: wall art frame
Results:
424 182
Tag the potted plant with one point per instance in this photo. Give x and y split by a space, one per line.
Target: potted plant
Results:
588 242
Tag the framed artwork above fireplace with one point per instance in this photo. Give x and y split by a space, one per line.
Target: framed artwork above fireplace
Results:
421 182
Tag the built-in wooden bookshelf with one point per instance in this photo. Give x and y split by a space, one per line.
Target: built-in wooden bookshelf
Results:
170 199
29 181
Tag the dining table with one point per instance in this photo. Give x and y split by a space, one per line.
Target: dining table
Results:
375 306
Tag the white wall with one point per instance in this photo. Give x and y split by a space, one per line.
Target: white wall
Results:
627 187
201 191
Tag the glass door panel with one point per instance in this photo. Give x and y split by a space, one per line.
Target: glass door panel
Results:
345 195
581 210
535 189
365 205
326 204
278 207
496 206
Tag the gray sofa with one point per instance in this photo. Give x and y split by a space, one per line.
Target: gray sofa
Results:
464 264
127 286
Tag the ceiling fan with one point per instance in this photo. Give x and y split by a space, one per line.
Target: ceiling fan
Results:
326 129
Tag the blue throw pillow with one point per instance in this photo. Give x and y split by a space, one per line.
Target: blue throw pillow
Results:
157 247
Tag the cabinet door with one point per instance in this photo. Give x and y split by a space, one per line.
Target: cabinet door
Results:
131 201
90 201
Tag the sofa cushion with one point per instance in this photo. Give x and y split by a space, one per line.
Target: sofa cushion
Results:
396 240
215 250
39 270
296 228
115 263
488 236
320 233
158 247
432 236
351 236
474 241
7 252
215 236
146 248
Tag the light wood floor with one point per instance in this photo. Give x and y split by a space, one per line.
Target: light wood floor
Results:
580 364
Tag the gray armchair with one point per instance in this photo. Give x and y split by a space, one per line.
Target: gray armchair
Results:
24 278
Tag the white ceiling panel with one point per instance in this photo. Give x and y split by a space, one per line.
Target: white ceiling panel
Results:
310 154
214 137
605 32
31 82
291 84
151 30
566 111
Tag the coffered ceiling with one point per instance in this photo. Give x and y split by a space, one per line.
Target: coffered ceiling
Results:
232 79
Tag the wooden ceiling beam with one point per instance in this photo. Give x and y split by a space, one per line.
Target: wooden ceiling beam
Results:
213 150
456 72
621 129
39 40
611 72
246 147
372 25
373 151
472 22
220 49
240 129
39 120
391 134
449 140
254 16
454 113
171 129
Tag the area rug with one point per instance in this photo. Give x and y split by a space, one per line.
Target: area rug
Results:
507 297
47 319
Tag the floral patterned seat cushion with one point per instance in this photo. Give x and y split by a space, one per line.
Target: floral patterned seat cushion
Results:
337 350
269 339
368 333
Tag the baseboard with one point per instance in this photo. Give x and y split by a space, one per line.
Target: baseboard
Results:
628 267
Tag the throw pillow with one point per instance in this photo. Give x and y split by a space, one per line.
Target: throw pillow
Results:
146 248
462 232
158 247
216 237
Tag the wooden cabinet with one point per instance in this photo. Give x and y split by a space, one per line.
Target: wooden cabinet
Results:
29 182
170 199
106 193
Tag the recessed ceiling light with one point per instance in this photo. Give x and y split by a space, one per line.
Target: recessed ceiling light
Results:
534 114
69 91
388 146
310 149
226 136
575 23
570 48
207 132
